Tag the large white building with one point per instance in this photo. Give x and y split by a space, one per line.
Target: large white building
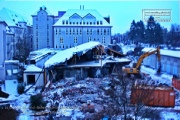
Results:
13 27
70 28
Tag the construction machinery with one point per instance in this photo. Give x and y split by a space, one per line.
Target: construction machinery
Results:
135 69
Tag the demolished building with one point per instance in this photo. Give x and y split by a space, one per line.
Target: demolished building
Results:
91 59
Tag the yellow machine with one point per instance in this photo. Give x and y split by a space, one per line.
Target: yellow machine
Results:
135 69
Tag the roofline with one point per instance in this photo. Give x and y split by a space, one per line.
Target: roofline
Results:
4 22
80 26
36 15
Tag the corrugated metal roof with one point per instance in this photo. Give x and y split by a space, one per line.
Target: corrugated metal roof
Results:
82 13
171 53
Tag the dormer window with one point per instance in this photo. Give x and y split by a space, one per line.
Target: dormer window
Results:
97 22
101 22
90 23
66 22
63 22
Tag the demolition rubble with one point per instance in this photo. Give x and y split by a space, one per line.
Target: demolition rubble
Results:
78 98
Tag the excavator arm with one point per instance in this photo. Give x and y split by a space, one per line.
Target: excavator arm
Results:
136 69
148 54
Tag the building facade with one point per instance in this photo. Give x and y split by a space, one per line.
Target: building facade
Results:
70 28
2 50
13 28
43 21
78 26
170 61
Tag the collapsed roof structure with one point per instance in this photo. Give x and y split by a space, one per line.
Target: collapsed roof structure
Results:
91 59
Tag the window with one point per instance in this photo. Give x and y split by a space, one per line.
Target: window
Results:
77 23
89 39
73 23
70 31
87 31
66 31
101 22
36 33
104 31
47 26
97 22
63 22
66 22
36 19
87 23
80 23
83 22
103 40
47 33
91 32
108 32
80 32
75 39
47 40
90 23
36 26
77 31
73 31
101 31
56 31
70 23
61 40
97 31
59 31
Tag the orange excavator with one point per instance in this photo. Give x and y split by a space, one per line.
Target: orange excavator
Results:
135 69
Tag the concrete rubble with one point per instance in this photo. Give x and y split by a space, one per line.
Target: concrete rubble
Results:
78 99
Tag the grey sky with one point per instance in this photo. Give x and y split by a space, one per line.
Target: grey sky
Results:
121 12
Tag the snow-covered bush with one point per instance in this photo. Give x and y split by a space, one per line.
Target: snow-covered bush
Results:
37 102
20 88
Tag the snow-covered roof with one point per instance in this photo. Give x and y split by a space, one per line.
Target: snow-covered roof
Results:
171 53
38 54
42 8
11 61
64 55
12 18
81 13
32 68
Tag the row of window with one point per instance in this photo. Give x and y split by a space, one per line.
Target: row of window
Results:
37 19
37 26
89 39
88 31
81 23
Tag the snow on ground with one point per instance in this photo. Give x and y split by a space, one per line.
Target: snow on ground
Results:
128 48
163 78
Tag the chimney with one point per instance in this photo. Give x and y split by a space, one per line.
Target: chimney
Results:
83 7
80 7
